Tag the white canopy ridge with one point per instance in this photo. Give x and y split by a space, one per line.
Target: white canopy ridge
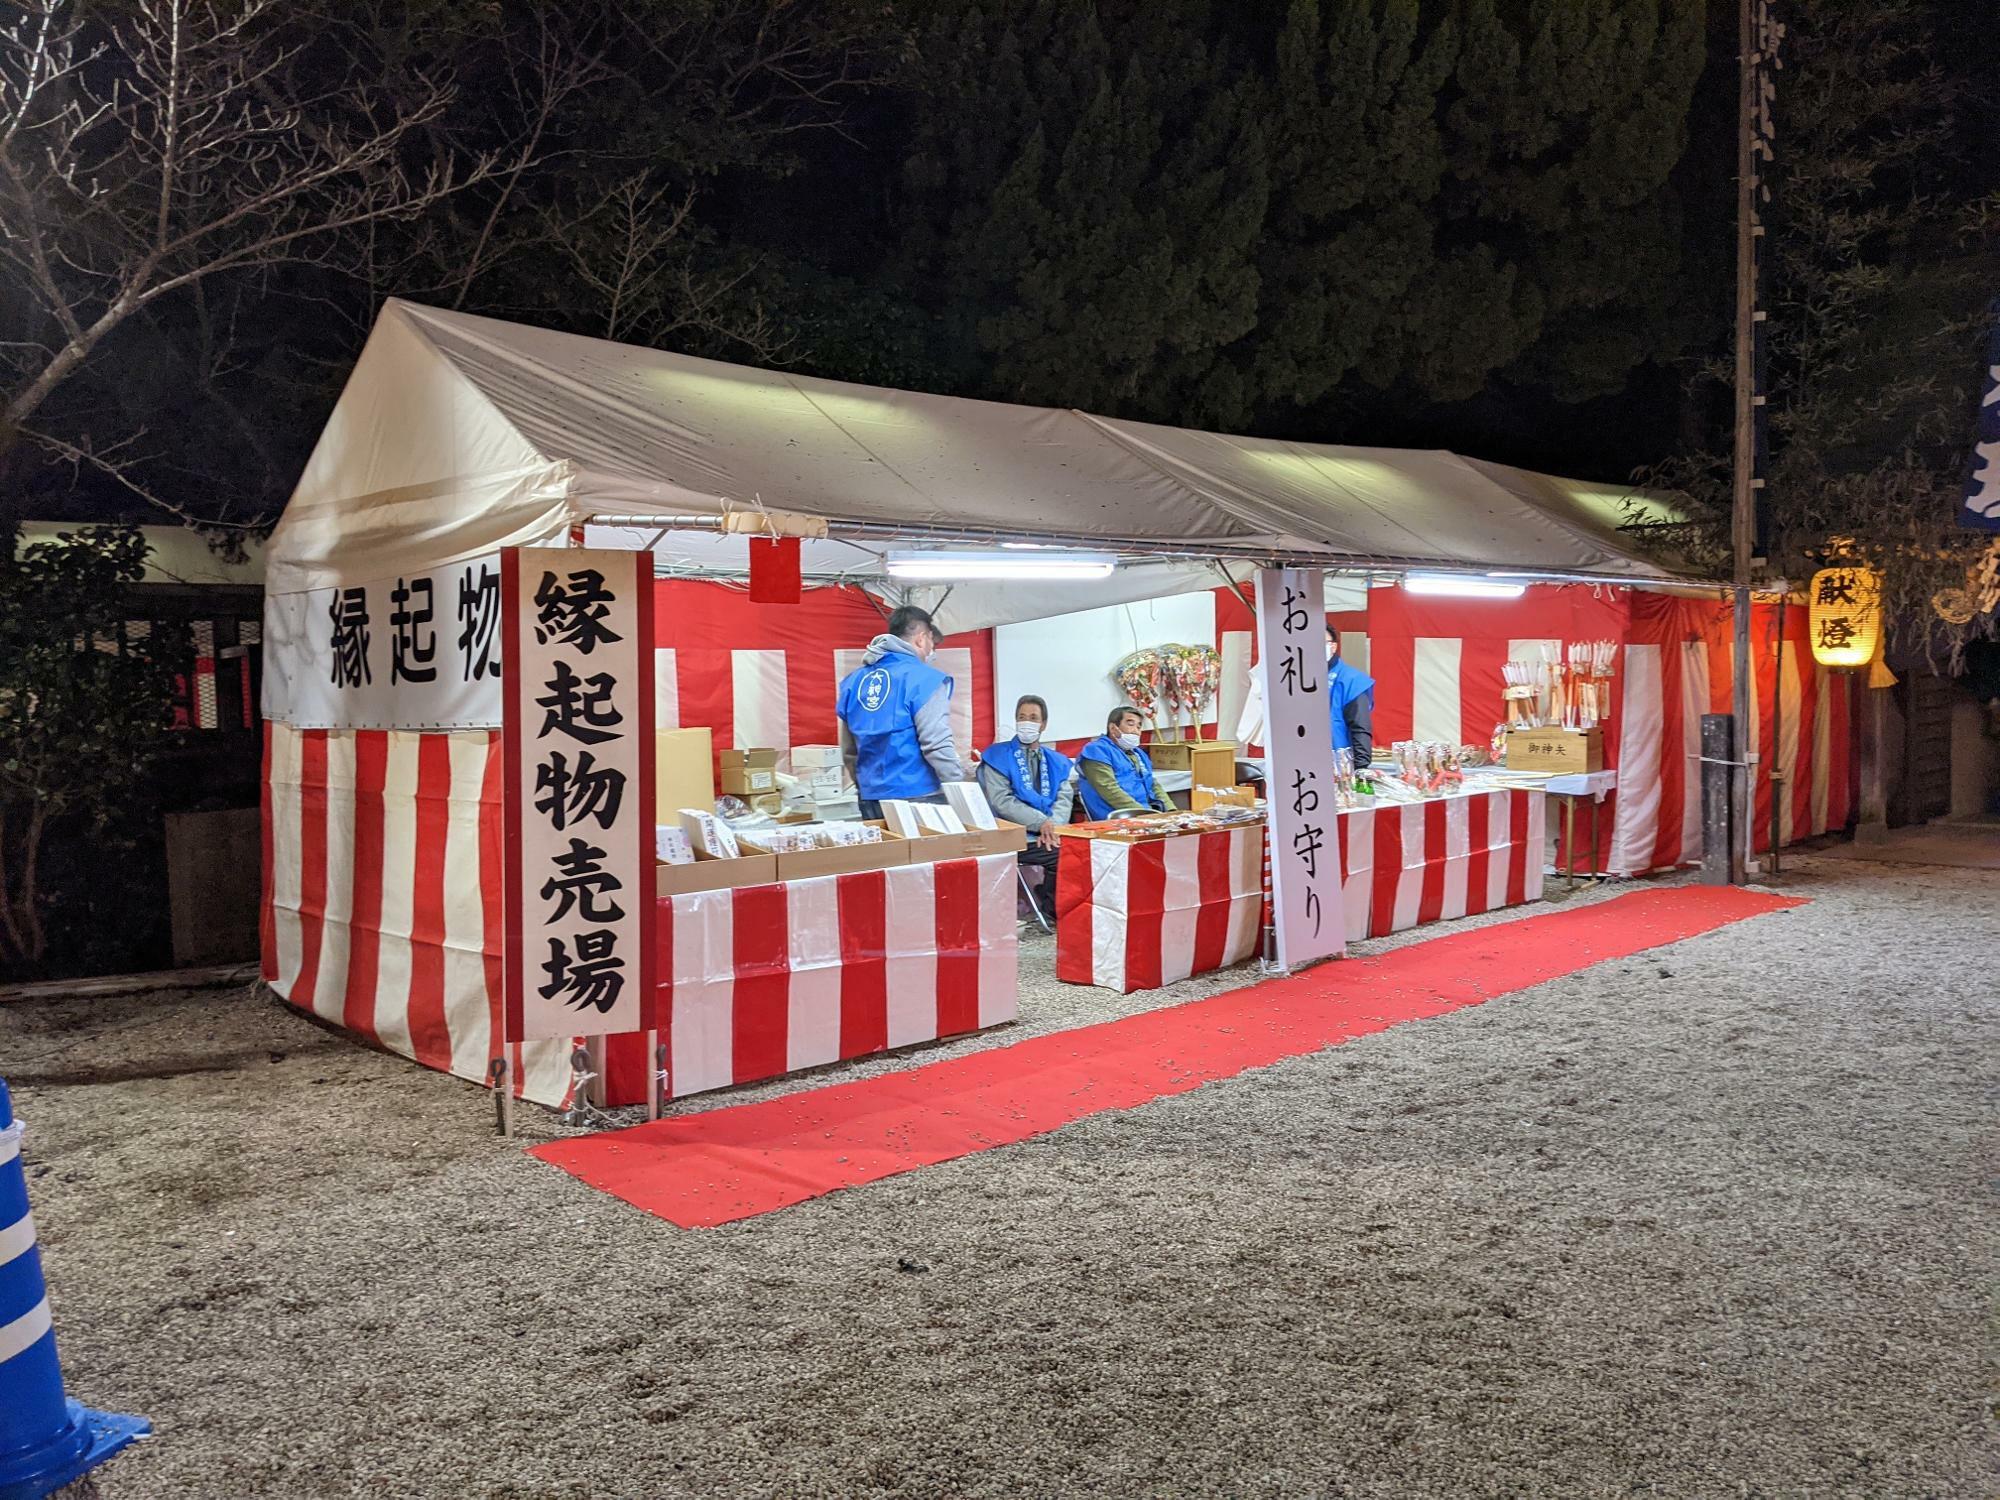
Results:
457 435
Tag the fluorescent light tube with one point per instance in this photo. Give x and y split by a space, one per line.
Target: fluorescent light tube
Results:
1450 586
951 567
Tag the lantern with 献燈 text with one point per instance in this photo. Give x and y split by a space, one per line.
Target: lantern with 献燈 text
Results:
1844 616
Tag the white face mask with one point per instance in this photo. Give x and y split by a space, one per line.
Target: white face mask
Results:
1027 731
1129 741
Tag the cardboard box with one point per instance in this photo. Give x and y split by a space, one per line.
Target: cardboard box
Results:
707 874
1213 762
683 771
816 758
749 760
1555 750
749 781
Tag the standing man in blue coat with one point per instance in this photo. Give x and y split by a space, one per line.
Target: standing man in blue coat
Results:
1350 703
897 710
1115 775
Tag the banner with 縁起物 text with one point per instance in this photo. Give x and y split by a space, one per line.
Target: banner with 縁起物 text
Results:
418 651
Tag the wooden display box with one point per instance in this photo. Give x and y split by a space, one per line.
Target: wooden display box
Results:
849 859
1118 830
707 874
1008 838
1202 799
1566 750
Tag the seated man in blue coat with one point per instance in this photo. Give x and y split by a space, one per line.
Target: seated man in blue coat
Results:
1115 775
897 709
1350 703
1032 784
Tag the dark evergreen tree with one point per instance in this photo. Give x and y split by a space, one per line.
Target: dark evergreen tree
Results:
1085 196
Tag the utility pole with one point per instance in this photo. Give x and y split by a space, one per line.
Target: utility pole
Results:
1757 39
1743 507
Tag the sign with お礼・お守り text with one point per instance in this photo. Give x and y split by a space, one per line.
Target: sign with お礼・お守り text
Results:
1304 828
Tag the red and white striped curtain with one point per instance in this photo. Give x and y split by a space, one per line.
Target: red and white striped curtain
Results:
764 675
382 894
1436 664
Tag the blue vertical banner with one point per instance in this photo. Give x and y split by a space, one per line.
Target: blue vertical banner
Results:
1981 510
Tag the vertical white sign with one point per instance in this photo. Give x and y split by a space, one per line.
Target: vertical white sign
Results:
1304 827
579 792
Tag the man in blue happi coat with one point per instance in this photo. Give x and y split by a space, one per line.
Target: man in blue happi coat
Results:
1032 784
1115 775
897 710
1350 703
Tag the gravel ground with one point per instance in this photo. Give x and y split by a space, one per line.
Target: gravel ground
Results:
1710 1221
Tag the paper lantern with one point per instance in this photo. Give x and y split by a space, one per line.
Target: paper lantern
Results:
1845 616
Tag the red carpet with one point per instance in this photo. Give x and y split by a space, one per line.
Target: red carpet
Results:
726 1164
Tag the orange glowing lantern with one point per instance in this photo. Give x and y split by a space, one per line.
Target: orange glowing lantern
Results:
1844 616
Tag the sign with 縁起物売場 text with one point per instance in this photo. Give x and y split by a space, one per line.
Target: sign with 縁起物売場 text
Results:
579 792
1304 828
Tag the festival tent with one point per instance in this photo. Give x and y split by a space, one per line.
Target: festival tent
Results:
457 436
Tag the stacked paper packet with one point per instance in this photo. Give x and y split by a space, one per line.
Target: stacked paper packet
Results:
938 818
970 803
671 846
709 834
912 820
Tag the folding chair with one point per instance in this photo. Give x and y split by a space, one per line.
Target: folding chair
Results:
1034 906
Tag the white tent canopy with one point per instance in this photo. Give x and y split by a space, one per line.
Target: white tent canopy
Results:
457 435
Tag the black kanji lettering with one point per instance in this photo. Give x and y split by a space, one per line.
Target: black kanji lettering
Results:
580 707
567 795
573 612
412 643
581 880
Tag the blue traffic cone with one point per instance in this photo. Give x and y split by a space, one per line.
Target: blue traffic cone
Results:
46 1440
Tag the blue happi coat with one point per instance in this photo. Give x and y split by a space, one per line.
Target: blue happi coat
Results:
1136 781
1343 685
878 703
1012 759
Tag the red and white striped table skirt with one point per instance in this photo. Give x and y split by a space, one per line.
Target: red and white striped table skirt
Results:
766 980
1135 916
1404 864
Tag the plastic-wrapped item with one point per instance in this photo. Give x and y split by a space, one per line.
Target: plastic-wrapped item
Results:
709 834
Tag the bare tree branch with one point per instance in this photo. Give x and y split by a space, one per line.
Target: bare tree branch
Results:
139 158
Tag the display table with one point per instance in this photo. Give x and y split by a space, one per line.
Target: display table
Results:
1593 786
1135 913
1406 863
760 981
